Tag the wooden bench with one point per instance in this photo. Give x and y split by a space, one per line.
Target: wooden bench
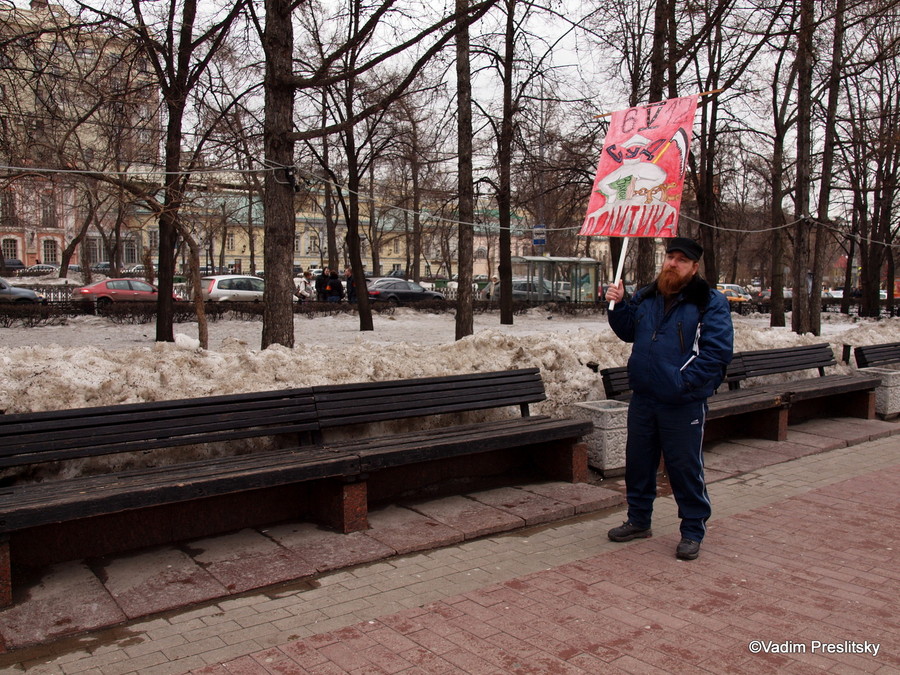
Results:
542 442
765 410
300 470
136 434
869 356
836 395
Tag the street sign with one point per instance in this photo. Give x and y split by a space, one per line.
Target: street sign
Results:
540 235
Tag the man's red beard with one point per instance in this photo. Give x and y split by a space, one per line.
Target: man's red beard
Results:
670 282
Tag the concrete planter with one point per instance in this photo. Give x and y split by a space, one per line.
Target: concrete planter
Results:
606 445
887 396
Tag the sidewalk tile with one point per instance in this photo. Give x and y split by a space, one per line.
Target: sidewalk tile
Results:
67 598
157 580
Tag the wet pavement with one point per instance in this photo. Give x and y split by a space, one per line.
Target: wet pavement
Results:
798 573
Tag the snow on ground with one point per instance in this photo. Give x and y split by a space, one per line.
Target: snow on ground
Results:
92 361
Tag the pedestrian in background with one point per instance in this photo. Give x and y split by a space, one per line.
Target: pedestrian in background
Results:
305 286
321 283
350 285
334 289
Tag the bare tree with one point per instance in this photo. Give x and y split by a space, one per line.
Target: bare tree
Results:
319 71
465 321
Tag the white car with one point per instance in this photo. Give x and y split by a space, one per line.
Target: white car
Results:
232 288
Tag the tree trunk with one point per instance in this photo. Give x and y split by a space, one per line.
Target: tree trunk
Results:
168 226
504 160
828 150
464 318
801 302
278 196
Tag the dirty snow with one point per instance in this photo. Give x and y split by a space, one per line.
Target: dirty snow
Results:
92 361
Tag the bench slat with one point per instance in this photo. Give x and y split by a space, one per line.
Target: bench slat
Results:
832 385
741 401
340 405
59 501
868 356
184 404
93 418
97 432
789 359
455 441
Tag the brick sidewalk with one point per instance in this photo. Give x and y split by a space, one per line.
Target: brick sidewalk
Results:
790 558
800 576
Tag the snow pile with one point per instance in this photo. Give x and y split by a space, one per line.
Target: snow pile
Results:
93 362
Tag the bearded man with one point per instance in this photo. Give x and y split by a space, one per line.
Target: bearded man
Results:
683 340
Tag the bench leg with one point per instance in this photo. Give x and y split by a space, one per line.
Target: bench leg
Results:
564 461
341 505
5 573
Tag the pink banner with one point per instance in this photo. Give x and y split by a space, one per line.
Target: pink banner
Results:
637 189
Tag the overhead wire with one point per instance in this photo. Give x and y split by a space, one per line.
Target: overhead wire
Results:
308 178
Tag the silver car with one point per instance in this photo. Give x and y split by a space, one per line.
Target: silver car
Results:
232 288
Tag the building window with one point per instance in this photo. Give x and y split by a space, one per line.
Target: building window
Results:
10 248
48 211
7 209
229 241
153 240
92 247
481 253
130 252
312 243
51 251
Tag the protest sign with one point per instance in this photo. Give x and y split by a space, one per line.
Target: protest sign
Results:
637 187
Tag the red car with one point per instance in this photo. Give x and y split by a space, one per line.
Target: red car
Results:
116 290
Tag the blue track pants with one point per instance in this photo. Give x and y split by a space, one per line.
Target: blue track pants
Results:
676 433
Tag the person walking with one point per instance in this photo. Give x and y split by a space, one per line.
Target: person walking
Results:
683 341
334 290
350 285
321 283
305 286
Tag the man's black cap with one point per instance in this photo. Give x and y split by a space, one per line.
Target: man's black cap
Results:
689 247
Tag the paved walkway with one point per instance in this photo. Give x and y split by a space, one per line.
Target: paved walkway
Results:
798 573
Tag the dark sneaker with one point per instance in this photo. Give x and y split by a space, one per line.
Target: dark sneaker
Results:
687 549
626 532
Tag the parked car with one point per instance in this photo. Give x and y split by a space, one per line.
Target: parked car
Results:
139 270
10 293
101 267
737 302
42 268
564 288
116 290
736 290
766 295
13 265
232 288
399 291
531 291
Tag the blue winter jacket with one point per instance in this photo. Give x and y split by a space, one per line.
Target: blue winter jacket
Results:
680 355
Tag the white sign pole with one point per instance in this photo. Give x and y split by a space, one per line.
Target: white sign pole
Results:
619 268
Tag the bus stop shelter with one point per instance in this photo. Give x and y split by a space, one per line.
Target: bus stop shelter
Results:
575 278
